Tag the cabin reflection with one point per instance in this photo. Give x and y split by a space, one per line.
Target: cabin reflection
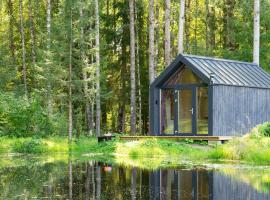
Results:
199 184
180 184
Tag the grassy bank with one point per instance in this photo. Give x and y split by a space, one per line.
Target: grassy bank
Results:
253 148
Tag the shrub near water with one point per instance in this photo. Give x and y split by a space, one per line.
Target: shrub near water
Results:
264 129
22 117
28 146
253 147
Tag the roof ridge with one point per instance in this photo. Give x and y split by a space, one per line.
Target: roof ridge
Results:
219 59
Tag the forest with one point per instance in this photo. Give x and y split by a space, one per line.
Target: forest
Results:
78 67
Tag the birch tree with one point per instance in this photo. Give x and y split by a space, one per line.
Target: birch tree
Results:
98 109
256 33
11 32
132 70
23 47
167 33
32 31
151 42
70 122
181 26
48 25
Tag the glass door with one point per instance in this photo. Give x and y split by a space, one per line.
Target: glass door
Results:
185 111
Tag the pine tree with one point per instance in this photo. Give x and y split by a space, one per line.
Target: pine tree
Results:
98 109
132 70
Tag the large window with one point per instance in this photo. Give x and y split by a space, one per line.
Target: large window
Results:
167 111
183 76
184 103
202 110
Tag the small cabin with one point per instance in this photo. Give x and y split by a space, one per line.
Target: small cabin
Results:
204 96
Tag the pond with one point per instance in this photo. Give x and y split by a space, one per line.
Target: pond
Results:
90 179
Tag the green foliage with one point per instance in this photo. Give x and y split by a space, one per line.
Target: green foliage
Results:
28 146
20 117
264 129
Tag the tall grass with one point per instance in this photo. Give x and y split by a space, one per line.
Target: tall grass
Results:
253 147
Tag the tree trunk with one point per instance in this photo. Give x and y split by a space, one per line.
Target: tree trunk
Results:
122 103
93 180
49 95
167 33
84 62
98 179
70 180
23 48
133 184
98 111
196 26
11 33
139 75
256 36
32 32
151 42
157 24
187 28
70 123
132 70
212 29
207 22
181 26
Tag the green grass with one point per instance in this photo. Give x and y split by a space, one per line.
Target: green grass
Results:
253 148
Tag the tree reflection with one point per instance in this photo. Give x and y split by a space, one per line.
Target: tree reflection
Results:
93 180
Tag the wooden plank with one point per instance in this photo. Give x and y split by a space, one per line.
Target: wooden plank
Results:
207 138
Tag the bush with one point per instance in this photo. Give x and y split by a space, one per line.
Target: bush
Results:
264 129
28 146
20 117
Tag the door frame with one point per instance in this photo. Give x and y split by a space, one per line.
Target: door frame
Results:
193 88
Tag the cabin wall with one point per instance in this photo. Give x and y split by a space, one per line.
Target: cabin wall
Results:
228 187
154 110
236 110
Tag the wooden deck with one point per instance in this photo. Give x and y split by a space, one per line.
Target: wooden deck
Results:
198 138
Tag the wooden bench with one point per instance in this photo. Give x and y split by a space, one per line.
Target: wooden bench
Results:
105 138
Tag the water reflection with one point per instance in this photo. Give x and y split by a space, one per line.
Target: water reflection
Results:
95 180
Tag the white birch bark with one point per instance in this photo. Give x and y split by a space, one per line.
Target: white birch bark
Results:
181 27
70 122
23 48
132 70
98 109
48 25
32 32
139 78
167 33
151 42
256 36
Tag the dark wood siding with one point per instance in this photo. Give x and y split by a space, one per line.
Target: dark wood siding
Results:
236 110
154 110
229 188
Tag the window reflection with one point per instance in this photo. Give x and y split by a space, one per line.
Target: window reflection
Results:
202 110
183 76
167 111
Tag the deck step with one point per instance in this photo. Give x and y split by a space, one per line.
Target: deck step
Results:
200 138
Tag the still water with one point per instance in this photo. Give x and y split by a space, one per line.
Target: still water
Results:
90 179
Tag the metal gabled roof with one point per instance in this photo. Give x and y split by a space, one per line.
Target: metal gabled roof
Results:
226 72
